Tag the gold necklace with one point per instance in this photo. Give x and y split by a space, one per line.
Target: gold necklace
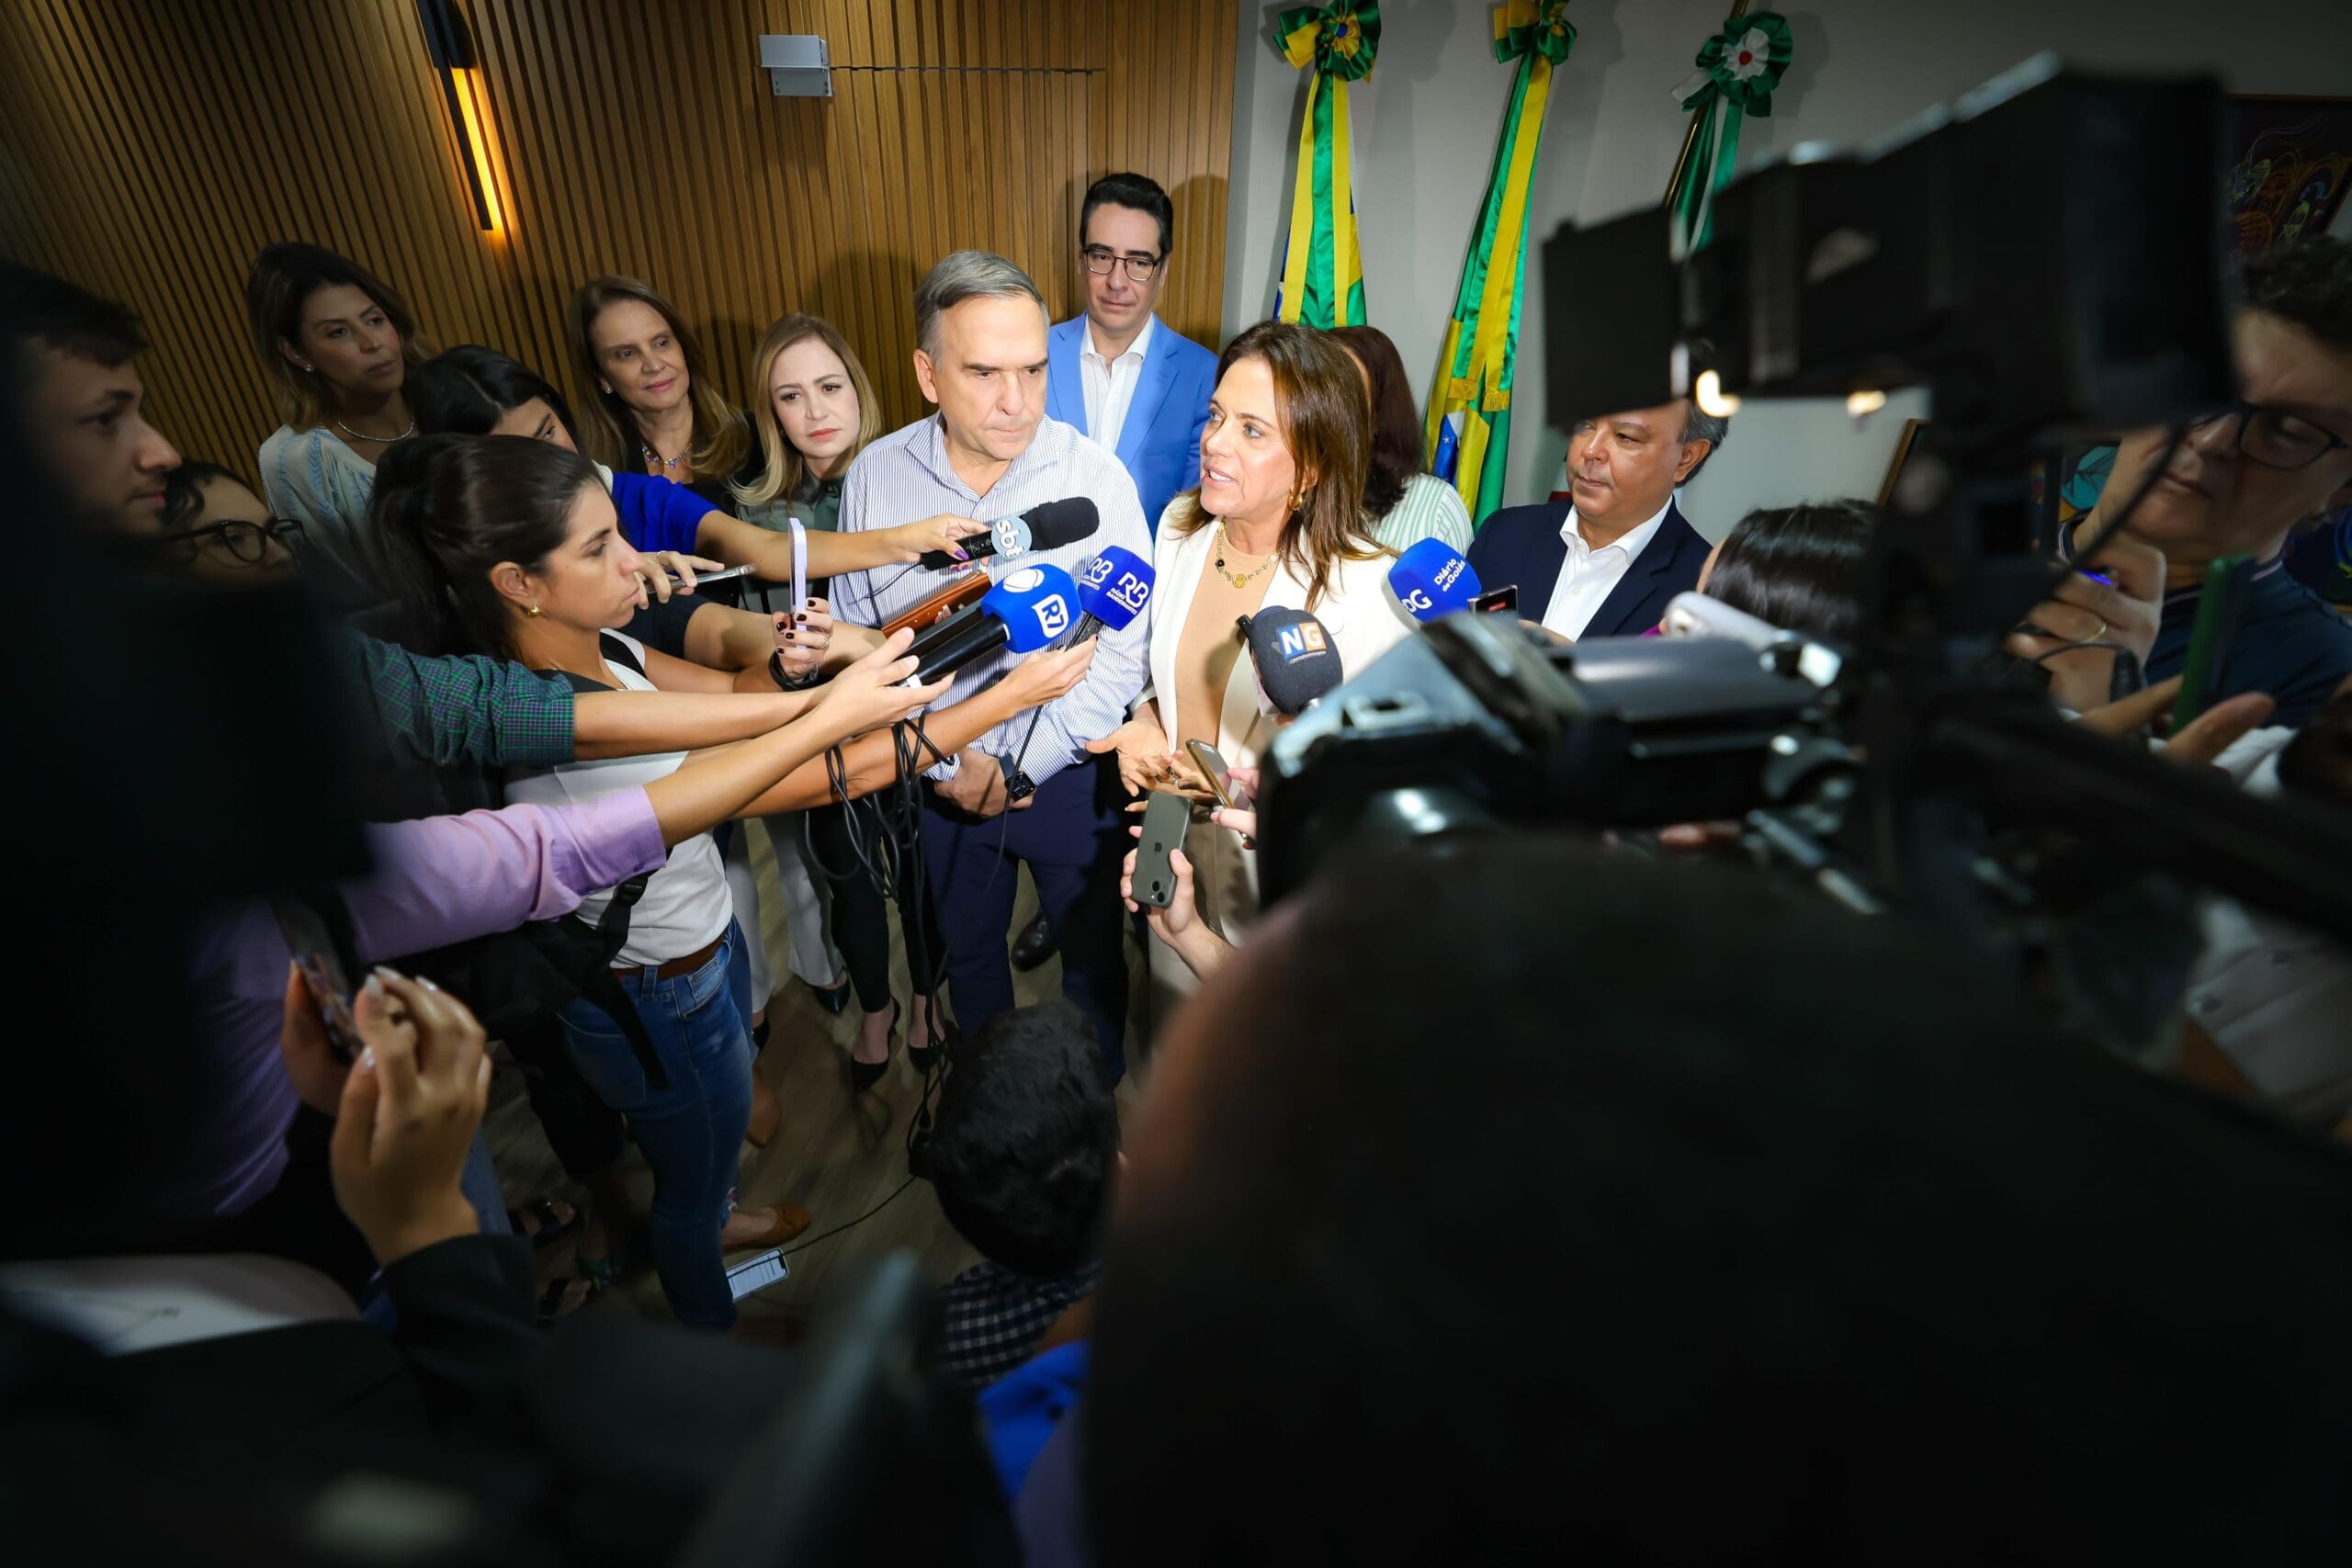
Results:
1238 579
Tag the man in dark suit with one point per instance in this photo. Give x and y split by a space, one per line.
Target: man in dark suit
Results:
1605 561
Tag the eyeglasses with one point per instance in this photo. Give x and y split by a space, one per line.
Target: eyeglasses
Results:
249 542
1100 261
2273 437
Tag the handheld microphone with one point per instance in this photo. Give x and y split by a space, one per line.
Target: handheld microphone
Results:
1026 612
1431 580
1047 525
1296 663
1112 589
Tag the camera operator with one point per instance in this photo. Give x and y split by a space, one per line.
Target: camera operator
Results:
2240 480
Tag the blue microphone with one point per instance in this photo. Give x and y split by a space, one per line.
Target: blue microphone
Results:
1431 580
1112 589
1027 611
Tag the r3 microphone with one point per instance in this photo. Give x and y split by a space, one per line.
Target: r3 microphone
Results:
1112 589
1047 525
1296 663
1431 580
1027 611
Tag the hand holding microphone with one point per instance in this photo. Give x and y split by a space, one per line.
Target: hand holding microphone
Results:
1045 526
1294 658
1031 608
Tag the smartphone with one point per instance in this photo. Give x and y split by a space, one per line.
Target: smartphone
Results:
1213 769
1165 818
756 1273
1503 598
314 955
703 577
2219 608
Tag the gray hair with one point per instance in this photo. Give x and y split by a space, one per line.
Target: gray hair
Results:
1709 427
966 275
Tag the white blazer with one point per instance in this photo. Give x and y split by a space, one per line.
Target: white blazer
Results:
1363 621
1361 616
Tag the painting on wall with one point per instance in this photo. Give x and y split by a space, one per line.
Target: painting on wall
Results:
2289 159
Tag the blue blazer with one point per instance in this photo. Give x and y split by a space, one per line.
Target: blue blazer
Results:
1523 545
1159 444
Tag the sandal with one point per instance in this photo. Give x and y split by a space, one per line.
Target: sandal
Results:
550 1228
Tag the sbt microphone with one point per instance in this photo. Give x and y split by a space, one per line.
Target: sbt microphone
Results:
1047 525
1112 589
1031 607
1431 580
1296 663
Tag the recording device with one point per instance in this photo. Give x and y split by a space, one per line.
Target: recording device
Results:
1165 818
1029 609
703 577
1296 661
1205 757
1495 601
1431 579
322 972
799 564
757 1273
966 591
1049 525
1112 589
2219 608
1895 771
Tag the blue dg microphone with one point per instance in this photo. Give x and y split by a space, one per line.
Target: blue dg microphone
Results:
1112 589
1027 611
1431 580
1049 525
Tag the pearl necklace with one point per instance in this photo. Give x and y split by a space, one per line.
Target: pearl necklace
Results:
1240 579
356 435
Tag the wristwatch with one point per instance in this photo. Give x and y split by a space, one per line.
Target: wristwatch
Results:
1017 784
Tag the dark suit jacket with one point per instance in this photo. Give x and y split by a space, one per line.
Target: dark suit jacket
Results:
1523 545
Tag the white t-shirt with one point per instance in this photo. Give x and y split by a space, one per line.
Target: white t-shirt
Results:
686 904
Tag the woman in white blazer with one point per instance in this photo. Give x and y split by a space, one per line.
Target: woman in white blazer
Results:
1278 520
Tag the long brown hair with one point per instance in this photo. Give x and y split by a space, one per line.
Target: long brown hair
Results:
721 441
781 467
1320 401
283 276
1395 427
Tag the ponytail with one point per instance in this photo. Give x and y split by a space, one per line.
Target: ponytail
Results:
448 508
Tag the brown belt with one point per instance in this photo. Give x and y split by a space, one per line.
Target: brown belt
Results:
677 966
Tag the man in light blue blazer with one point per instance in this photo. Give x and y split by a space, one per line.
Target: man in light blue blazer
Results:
1118 372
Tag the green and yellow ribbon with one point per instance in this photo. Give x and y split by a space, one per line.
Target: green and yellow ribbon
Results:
1322 265
1469 417
1738 69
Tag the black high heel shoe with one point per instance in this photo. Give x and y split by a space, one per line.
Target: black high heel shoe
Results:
834 1000
864 1075
922 1057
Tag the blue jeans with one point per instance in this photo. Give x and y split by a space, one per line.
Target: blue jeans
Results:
691 1130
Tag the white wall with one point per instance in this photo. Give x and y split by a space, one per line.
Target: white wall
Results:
1426 122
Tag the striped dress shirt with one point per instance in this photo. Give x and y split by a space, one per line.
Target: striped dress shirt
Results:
906 477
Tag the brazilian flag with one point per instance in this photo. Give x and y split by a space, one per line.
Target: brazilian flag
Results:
1322 265
1469 416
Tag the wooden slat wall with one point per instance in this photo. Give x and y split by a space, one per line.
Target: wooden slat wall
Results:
150 147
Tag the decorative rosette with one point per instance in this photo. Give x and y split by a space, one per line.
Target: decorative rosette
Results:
1524 27
1339 40
1742 64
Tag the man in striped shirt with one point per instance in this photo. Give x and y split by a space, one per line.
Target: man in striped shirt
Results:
1027 791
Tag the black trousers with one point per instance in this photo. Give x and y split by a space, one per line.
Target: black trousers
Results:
861 921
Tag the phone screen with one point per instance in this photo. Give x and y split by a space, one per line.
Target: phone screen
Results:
1503 598
314 956
1213 768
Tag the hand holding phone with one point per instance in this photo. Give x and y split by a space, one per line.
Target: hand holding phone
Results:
1165 818
1220 778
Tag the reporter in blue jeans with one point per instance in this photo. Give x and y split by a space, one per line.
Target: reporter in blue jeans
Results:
510 546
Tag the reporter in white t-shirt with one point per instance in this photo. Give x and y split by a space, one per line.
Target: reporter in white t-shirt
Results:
511 547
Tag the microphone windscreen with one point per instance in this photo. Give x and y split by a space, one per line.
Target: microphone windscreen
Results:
1297 662
1054 524
1115 587
1037 603
1431 580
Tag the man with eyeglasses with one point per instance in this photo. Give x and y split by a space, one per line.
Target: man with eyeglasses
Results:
2240 480
1118 372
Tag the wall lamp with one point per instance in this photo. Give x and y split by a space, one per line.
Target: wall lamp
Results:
450 46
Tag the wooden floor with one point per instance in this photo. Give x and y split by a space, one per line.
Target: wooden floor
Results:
843 1159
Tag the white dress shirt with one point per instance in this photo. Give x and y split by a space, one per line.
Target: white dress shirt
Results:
1111 384
1587 575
